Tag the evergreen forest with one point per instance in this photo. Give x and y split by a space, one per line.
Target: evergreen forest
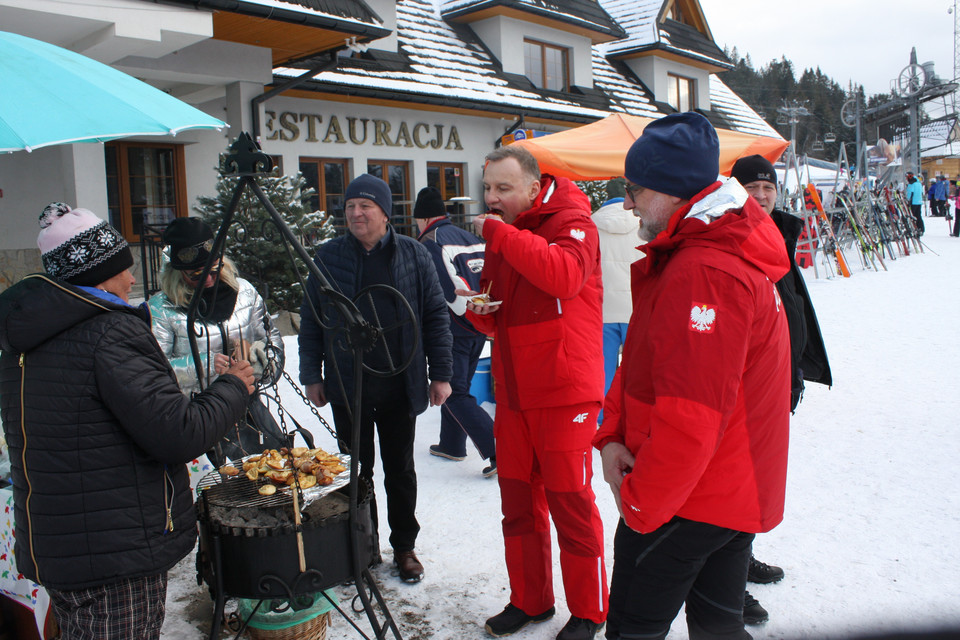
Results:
773 86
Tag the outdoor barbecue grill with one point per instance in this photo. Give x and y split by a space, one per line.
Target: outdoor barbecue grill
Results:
249 547
296 541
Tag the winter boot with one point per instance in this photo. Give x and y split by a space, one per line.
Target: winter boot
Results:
762 573
753 613
512 619
579 629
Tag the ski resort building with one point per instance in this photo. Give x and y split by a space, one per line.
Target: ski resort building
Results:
415 91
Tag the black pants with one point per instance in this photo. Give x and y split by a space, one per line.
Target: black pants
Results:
682 561
385 405
917 210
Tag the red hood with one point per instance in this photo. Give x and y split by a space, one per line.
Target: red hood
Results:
556 194
724 217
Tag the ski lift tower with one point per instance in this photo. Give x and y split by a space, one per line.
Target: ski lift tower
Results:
914 85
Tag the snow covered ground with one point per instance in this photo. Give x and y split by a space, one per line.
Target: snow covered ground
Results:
871 537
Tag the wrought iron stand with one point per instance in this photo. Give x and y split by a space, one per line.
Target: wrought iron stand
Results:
246 161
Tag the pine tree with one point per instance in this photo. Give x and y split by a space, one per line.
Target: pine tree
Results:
596 190
256 245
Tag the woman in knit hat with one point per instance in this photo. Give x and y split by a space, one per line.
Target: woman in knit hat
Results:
99 434
232 321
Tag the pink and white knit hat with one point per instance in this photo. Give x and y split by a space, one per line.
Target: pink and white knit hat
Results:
79 248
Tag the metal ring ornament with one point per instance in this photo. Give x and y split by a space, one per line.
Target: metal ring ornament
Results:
911 80
406 317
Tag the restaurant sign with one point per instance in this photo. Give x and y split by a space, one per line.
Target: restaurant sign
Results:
290 126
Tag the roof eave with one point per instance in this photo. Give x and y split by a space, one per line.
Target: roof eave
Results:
708 62
469 14
348 27
437 101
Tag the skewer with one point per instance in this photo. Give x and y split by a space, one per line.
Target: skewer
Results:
296 519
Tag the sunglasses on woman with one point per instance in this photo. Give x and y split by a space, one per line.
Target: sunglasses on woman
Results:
196 273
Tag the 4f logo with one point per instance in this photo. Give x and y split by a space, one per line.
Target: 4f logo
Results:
581 418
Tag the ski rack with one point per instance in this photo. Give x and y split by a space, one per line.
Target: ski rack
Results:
818 225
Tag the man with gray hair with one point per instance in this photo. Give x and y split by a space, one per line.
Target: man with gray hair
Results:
694 437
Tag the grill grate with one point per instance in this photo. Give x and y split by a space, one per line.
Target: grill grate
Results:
235 492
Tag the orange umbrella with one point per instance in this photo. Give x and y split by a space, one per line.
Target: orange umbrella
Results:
596 151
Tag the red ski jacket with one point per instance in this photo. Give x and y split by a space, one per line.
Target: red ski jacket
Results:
548 333
702 396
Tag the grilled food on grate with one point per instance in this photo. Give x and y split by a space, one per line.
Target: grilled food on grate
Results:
285 467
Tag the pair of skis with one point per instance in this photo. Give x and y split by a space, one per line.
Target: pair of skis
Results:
831 245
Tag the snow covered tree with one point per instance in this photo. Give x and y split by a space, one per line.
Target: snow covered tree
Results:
596 190
255 244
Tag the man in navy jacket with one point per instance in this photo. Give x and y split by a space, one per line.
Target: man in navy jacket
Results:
458 256
372 254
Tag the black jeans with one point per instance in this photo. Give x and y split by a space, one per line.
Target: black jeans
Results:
385 405
682 561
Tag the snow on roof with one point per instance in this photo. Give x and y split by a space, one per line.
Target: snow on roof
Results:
728 104
937 138
584 13
638 18
442 64
625 95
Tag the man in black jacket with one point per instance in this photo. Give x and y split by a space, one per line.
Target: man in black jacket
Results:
808 355
99 434
373 254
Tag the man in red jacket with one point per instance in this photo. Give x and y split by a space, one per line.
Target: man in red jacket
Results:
694 440
542 262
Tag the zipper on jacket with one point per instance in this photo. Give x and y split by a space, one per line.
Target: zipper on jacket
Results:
167 501
23 462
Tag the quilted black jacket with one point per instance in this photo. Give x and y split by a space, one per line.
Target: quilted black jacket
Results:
414 275
99 434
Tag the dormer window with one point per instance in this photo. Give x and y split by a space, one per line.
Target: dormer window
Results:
674 13
546 65
681 92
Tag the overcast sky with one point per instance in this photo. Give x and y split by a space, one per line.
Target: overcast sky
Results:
864 41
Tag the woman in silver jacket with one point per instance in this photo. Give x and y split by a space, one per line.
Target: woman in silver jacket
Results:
232 322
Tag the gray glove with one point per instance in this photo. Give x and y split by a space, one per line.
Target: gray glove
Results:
258 360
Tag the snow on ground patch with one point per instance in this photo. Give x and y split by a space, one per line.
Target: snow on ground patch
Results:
869 539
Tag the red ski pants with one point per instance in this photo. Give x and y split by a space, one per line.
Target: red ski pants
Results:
544 465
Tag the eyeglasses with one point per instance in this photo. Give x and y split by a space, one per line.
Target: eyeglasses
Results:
633 190
196 273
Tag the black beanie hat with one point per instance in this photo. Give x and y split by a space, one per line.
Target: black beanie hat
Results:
371 188
678 155
429 204
190 240
753 168
615 188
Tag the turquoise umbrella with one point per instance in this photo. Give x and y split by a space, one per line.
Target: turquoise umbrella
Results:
49 95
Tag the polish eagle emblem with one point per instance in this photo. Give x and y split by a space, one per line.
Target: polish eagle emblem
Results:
703 317
578 234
